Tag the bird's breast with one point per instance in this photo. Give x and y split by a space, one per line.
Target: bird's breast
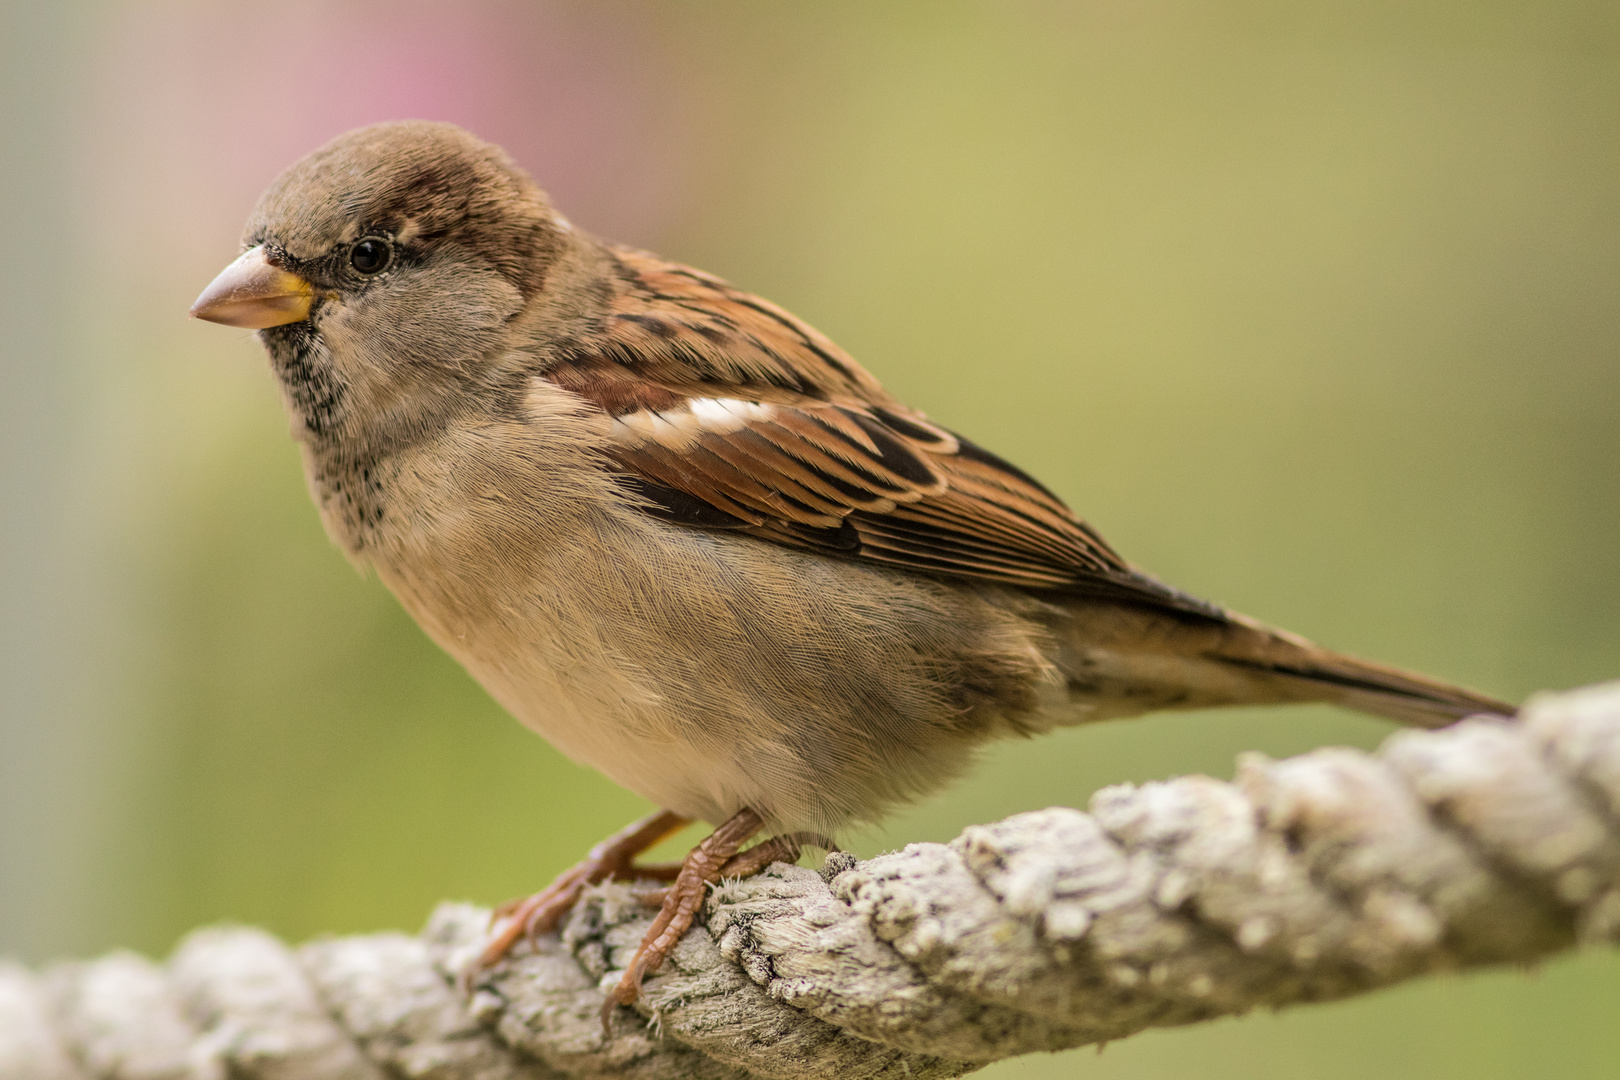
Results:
704 671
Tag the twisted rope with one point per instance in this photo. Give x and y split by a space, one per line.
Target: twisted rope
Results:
1308 879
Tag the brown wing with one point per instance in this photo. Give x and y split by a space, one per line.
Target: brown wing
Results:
729 413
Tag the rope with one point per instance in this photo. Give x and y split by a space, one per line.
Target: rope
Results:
1309 879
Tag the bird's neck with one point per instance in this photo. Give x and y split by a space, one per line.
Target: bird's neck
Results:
523 461
352 434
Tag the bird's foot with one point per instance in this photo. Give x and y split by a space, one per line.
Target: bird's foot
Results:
530 916
715 858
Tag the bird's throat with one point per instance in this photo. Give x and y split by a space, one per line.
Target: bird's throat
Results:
315 393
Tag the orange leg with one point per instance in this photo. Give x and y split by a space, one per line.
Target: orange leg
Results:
784 848
611 858
713 859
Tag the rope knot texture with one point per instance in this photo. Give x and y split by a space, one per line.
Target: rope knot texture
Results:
1308 879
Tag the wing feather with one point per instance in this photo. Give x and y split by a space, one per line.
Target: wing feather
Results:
730 413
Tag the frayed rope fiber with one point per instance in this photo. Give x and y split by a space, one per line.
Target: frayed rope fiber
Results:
1309 879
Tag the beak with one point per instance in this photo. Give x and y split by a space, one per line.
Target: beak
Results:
254 293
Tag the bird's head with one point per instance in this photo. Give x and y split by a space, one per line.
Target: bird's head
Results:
383 273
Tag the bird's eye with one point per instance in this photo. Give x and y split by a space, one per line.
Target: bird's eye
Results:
371 256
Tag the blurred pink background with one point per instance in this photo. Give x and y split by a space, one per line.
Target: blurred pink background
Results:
1309 308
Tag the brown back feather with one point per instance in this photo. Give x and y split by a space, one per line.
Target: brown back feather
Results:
732 413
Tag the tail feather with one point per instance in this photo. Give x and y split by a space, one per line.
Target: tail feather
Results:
1324 675
1125 660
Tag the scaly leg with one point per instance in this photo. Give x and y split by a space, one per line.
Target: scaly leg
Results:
713 859
784 848
611 858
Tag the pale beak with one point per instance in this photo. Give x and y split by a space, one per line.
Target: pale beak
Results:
254 293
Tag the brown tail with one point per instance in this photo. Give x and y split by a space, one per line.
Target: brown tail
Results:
1320 674
1125 660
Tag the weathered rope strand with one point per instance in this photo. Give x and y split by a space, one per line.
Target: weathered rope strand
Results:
1309 879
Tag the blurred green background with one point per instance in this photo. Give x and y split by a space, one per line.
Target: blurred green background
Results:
1312 309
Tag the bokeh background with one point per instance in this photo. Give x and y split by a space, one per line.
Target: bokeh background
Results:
1311 308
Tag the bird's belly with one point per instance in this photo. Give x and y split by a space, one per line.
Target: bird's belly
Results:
596 704
597 716
709 673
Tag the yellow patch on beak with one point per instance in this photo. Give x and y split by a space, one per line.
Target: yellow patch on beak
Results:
254 293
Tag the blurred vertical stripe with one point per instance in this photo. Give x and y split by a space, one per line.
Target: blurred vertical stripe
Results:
47 793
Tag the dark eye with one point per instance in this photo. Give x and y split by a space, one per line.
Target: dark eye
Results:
371 256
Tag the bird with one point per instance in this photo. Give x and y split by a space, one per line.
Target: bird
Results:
686 538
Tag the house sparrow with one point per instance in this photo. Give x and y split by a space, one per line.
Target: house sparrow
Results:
682 535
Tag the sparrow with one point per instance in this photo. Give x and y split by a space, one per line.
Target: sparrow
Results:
686 538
